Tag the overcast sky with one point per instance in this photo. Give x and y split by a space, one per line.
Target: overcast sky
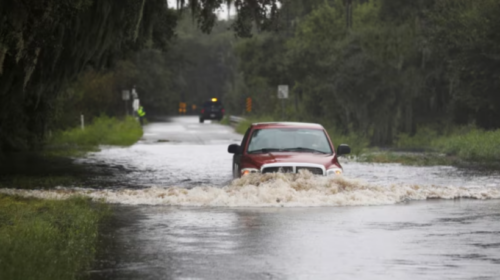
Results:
222 14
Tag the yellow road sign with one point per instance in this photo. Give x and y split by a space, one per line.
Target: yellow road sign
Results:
182 107
249 104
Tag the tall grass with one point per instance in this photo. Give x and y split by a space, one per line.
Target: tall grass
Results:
44 239
225 120
467 142
476 145
423 139
103 131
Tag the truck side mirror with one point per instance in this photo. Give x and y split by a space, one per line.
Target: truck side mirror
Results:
343 149
234 149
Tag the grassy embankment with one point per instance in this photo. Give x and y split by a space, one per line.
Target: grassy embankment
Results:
46 239
52 168
42 239
457 146
102 131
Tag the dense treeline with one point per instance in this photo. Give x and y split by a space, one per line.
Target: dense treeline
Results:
378 67
373 67
60 59
45 44
193 69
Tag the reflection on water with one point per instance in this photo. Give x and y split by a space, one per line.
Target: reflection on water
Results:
416 240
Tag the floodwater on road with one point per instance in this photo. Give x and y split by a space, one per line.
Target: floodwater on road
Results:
185 218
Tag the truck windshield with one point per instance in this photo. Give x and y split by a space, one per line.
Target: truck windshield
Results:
289 140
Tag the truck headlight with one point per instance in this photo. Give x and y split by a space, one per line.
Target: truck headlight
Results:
333 172
246 171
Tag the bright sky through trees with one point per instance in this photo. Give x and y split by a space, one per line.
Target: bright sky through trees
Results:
221 14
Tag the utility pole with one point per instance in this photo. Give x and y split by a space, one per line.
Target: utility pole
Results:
348 13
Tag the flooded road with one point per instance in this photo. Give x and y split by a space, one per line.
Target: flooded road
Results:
180 216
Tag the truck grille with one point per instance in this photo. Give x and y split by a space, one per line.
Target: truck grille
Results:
292 169
282 169
313 170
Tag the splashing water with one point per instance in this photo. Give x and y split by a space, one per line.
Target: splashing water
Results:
272 190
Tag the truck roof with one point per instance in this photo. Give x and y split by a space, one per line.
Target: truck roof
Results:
287 124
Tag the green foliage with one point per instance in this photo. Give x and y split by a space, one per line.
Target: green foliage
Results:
103 131
467 142
356 141
225 120
360 73
46 44
422 139
466 37
208 61
43 239
475 145
256 13
402 65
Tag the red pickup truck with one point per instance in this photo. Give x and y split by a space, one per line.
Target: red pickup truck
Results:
286 147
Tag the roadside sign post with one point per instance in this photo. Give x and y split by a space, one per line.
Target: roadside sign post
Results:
126 98
134 93
135 102
135 107
283 94
249 104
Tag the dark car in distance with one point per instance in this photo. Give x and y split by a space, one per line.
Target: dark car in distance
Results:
286 147
212 110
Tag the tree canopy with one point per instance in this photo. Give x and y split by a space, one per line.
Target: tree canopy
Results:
380 67
376 67
48 45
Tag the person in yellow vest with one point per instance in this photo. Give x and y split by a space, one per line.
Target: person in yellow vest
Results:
141 114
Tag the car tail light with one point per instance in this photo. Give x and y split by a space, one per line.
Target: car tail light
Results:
202 111
223 111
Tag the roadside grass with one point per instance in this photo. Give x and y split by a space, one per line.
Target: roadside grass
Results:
465 145
474 145
423 139
103 131
38 182
225 120
48 239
